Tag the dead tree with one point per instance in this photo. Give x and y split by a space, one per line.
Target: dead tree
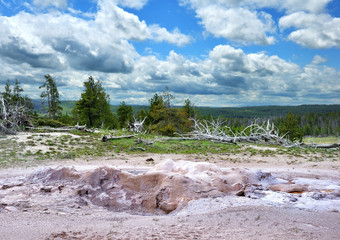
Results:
216 130
13 116
137 125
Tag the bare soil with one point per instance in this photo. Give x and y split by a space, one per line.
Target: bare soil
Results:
42 214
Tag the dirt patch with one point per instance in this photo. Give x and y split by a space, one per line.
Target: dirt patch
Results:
172 200
271 193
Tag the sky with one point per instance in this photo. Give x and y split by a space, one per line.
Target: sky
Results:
218 53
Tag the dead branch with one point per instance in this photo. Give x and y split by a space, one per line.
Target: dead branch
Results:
138 148
13 116
144 141
108 138
324 146
138 125
216 131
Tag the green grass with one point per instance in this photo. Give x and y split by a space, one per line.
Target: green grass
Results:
78 144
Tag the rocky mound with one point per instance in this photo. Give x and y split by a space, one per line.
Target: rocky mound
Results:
167 187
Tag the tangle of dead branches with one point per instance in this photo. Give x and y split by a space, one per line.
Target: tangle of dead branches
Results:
217 130
13 116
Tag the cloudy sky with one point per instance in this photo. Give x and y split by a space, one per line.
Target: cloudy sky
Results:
215 52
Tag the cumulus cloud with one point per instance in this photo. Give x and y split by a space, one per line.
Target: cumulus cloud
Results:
318 59
231 76
314 6
71 48
160 34
235 23
311 30
136 4
247 21
227 75
61 41
50 3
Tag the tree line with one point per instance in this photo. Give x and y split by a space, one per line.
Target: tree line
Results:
93 109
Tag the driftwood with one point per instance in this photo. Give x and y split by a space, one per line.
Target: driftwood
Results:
334 145
83 128
138 125
107 138
144 141
138 148
216 131
321 146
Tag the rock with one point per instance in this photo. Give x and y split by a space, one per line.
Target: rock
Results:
46 189
316 195
289 188
10 185
336 192
11 209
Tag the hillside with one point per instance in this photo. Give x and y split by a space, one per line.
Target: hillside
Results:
231 112
266 111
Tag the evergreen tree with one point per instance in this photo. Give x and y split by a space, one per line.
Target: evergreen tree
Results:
292 128
93 108
167 97
188 108
166 120
51 94
7 95
125 114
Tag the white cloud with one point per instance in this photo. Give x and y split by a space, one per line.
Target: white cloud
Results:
247 22
318 59
48 3
237 24
62 41
70 48
313 31
120 24
313 6
228 76
160 34
136 4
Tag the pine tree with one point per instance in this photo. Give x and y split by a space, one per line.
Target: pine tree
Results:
93 108
164 119
125 114
292 128
51 94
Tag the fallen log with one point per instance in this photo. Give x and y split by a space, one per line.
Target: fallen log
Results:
144 141
138 148
107 138
326 146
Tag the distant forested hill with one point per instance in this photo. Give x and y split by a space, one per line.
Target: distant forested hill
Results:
229 112
266 111
315 120
41 107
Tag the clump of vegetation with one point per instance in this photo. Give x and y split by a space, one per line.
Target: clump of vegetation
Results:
51 95
165 120
291 128
93 108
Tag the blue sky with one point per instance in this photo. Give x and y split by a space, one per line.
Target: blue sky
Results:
217 53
